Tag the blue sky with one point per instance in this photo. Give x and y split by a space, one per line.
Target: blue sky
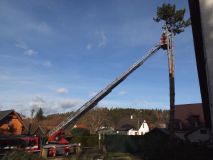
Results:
57 54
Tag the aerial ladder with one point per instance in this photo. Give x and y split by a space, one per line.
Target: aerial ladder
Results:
103 93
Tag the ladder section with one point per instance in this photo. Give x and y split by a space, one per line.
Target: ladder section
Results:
93 101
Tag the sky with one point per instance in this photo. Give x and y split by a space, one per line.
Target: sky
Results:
57 54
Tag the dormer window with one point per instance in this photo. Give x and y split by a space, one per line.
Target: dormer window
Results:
194 121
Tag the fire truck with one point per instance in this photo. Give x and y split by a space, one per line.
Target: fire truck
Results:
56 135
57 144
33 144
28 143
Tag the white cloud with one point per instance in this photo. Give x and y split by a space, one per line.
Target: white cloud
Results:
89 46
52 105
100 41
43 28
69 103
145 103
21 45
103 40
122 92
47 63
37 102
39 99
62 91
27 50
30 52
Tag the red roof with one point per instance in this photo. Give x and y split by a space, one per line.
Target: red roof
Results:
184 111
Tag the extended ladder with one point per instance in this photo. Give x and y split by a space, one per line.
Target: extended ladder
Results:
93 102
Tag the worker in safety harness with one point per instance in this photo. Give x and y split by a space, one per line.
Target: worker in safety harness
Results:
163 41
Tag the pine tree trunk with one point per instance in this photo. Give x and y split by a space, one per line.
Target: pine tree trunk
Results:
172 90
172 104
170 55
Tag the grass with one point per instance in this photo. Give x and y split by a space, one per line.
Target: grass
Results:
95 154
20 155
120 156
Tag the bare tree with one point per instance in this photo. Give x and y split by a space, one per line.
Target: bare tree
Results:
95 119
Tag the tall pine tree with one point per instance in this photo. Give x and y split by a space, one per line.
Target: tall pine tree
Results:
173 24
39 114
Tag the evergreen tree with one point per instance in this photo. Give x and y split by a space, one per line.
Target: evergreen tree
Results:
174 23
173 19
39 114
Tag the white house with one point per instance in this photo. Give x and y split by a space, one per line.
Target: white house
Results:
198 135
132 132
144 128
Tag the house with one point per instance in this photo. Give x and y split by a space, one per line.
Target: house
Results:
80 130
190 123
105 130
189 116
80 126
11 123
34 128
132 126
39 131
132 132
125 124
199 135
144 128
124 128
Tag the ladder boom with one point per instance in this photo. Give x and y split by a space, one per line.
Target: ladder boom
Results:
103 93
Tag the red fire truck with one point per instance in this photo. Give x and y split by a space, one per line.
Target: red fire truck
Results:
22 142
56 141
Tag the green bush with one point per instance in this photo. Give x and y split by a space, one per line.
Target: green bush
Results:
86 141
80 132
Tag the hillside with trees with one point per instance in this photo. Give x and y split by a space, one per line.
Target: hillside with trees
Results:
106 117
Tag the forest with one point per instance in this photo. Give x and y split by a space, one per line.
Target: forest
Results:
105 117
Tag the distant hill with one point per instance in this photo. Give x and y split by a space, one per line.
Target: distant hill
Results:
105 117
